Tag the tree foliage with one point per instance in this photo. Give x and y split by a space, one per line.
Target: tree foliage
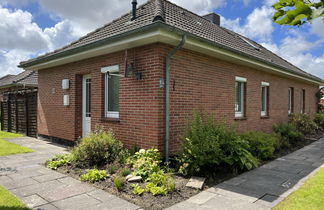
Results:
297 12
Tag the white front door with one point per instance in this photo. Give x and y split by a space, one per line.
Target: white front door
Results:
86 105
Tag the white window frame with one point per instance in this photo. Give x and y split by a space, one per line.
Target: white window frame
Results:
109 71
266 86
241 80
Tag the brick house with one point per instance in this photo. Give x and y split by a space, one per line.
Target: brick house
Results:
144 73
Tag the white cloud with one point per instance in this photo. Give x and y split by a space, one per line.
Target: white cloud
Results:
201 7
258 24
296 49
317 27
21 38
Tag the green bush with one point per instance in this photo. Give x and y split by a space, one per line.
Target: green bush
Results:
145 162
137 189
208 144
126 172
303 123
158 183
94 175
59 161
112 169
119 183
98 149
261 145
319 120
288 134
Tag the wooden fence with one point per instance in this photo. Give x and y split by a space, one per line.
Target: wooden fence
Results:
19 113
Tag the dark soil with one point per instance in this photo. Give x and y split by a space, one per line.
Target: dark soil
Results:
148 201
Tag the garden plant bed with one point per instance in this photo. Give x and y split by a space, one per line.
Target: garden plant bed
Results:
147 200
210 149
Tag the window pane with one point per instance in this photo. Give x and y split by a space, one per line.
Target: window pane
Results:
289 99
113 93
238 100
88 97
264 99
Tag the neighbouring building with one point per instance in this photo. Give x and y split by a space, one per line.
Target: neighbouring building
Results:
144 73
18 103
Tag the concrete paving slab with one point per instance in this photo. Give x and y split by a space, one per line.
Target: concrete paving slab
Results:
77 202
33 201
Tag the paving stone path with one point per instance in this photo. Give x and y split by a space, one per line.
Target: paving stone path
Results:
264 187
41 188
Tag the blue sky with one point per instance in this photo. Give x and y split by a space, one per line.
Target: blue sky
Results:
33 27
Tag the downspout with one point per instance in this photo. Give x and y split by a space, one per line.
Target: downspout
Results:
167 96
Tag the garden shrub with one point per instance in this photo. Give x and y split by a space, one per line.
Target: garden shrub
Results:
319 120
208 144
99 148
137 189
158 183
59 161
126 172
303 123
94 175
288 134
145 162
119 183
112 169
261 145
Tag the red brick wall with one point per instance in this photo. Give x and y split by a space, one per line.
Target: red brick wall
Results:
197 81
141 101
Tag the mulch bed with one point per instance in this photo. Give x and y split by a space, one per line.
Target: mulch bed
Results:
148 201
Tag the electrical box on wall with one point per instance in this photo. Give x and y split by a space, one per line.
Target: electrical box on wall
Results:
66 100
65 84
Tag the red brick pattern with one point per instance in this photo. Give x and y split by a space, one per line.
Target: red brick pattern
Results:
197 82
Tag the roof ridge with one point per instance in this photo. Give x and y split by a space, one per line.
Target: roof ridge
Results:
159 11
29 74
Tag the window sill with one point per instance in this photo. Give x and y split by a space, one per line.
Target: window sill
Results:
265 117
240 118
110 119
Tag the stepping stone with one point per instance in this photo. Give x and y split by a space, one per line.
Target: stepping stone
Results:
196 182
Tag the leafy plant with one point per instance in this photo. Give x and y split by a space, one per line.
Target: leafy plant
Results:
94 175
112 169
288 134
59 161
126 172
119 183
99 148
159 183
137 189
135 148
303 123
145 162
319 120
297 12
208 144
261 145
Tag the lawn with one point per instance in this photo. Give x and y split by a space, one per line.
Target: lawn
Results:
7 148
308 196
9 201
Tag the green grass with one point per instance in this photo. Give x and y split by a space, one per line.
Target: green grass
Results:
7 148
309 196
9 201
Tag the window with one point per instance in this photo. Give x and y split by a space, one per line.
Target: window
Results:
88 97
302 98
111 91
290 100
264 99
240 97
